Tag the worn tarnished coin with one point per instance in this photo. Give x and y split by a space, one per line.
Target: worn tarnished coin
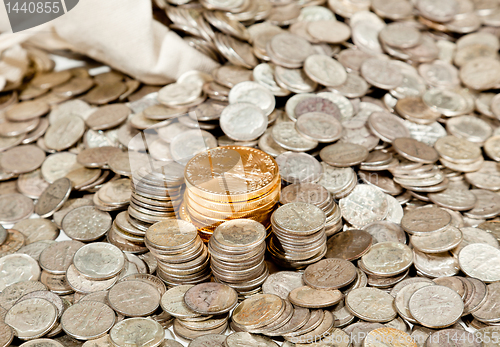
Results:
56 283
387 259
488 311
438 241
37 229
99 261
330 273
32 318
211 298
17 268
371 304
6 335
134 298
86 223
258 310
13 242
402 298
22 159
437 264
58 257
64 133
173 303
14 207
436 306
135 332
53 197
383 231
349 245
282 283
425 219
314 298
325 70
107 117
10 295
414 150
171 234
83 285
287 137
32 184
454 199
319 127
343 154
480 261
87 320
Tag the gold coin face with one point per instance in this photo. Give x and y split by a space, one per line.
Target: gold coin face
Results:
239 172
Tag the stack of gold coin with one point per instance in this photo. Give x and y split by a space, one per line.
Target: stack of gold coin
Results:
229 183
237 250
298 235
182 256
156 195
319 196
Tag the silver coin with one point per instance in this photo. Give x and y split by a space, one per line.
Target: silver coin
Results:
137 332
87 320
17 268
32 318
86 223
243 121
425 301
99 261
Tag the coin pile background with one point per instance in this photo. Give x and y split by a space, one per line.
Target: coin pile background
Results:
392 107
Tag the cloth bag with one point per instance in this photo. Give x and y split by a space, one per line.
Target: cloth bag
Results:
118 33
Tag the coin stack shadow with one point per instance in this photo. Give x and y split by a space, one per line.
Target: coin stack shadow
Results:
299 237
319 196
156 195
230 183
181 254
237 249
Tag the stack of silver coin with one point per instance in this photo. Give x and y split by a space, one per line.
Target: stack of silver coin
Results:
200 309
156 195
317 195
237 250
299 237
123 233
113 196
181 254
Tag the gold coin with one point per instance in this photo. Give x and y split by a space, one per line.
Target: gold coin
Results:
231 173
